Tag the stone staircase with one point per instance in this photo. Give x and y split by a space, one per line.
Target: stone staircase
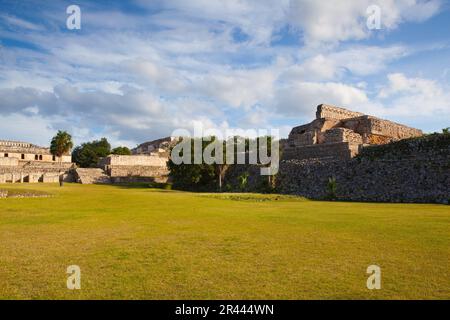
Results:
91 176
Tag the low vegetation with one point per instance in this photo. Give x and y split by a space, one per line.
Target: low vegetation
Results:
143 243
211 177
435 143
253 197
22 193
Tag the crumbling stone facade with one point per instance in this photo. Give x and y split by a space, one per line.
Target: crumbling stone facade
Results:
90 176
30 153
135 168
159 147
25 162
409 170
125 169
337 133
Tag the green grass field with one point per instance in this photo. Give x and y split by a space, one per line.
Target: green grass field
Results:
138 243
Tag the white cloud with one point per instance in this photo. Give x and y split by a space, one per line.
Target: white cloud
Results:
335 21
357 60
35 129
301 98
414 97
399 83
20 23
137 77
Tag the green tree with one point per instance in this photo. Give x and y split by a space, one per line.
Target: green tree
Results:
205 176
192 176
124 151
87 154
61 144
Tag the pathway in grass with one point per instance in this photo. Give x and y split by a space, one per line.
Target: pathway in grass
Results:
158 244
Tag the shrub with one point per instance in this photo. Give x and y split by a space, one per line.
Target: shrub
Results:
160 185
243 181
331 188
123 151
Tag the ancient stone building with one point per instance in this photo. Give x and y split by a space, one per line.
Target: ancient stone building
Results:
125 169
135 168
155 147
26 162
27 152
337 133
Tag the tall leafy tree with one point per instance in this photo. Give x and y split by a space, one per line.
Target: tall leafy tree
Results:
192 176
87 154
61 144
205 176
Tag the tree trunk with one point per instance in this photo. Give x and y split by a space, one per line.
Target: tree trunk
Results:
61 176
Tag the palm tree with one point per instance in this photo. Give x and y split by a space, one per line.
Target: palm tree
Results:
60 145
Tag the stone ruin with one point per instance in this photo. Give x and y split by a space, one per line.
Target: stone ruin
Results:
148 163
125 169
135 168
159 147
338 133
25 162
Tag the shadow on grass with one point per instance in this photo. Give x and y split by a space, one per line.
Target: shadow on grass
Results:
23 193
153 186
254 197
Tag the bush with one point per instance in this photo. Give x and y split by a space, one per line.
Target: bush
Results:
160 185
331 188
243 181
264 186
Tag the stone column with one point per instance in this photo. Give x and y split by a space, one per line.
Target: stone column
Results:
13 176
21 177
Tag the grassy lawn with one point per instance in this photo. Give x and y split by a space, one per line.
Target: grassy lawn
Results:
141 243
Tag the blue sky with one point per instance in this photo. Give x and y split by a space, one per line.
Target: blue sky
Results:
137 70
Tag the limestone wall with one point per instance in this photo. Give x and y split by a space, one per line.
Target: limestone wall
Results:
368 126
342 134
305 139
392 129
134 160
413 170
311 133
122 174
156 146
333 125
143 171
33 155
15 176
339 150
9 161
29 152
25 172
90 176
327 111
135 168
380 180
